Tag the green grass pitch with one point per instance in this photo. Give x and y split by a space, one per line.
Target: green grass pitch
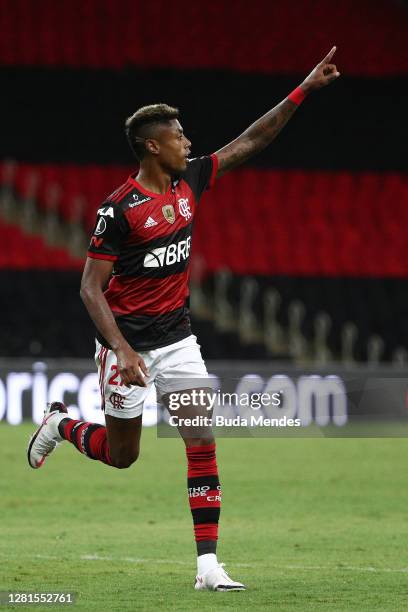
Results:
307 524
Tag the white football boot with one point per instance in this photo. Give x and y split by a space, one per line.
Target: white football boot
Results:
47 437
217 579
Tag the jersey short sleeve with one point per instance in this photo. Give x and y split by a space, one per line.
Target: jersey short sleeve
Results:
110 229
200 174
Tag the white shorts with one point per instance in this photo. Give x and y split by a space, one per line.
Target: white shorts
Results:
172 368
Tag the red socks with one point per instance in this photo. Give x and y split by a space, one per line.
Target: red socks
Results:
89 438
204 489
204 493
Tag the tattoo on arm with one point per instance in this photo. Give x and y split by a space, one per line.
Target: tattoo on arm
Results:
258 136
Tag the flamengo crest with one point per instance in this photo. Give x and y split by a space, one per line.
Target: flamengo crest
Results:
184 208
117 400
168 213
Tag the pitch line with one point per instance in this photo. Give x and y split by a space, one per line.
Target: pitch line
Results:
137 560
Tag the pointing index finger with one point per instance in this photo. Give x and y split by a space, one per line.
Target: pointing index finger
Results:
328 57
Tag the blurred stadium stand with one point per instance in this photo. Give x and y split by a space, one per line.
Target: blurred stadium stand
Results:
260 36
301 255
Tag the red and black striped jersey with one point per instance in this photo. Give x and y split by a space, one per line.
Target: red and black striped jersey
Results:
148 237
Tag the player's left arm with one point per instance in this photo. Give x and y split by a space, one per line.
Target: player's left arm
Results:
261 133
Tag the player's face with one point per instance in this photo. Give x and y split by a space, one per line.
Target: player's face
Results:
174 147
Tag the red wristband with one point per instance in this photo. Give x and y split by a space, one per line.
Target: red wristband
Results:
297 96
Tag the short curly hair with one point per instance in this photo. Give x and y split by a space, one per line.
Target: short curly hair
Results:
137 126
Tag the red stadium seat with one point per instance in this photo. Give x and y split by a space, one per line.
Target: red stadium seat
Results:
258 221
24 251
105 34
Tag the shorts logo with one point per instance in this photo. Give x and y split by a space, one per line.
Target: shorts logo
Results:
117 400
169 213
184 208
167 256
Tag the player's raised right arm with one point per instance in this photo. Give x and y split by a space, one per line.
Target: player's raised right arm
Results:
261 133
95 276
